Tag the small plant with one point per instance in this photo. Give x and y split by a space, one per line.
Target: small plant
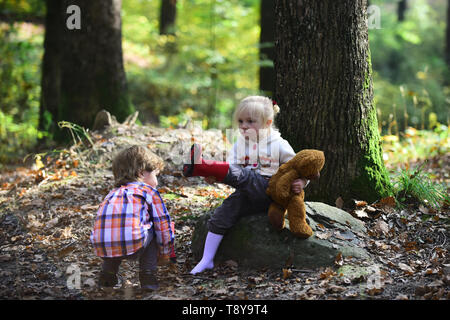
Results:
416 187
78 134
76 130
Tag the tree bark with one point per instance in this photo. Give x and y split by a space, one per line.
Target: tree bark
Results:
267 47
167 17
82 69
401 9
51 68
324 89
447 46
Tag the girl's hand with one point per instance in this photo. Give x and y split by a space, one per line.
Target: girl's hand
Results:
298 185
210 179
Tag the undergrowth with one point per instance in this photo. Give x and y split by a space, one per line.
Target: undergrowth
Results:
414 187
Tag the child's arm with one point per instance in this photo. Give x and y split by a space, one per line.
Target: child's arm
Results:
299 184
286 154
165 235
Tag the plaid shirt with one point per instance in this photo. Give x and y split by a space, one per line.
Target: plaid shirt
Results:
126 217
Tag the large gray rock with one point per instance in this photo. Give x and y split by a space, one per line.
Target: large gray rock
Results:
253 243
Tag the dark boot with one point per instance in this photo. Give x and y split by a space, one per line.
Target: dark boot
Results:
148 280
107 279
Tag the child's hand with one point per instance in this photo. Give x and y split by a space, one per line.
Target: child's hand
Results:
163 260
210 179
298 185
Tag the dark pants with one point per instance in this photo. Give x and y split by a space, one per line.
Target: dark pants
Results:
147 255
249 198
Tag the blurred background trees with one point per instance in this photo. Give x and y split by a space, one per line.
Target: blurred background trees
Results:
82 67
205 56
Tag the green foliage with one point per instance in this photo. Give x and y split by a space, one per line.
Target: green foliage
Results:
414 145
15 137
77 132
20 52
416 187
23 7
211 62
409 65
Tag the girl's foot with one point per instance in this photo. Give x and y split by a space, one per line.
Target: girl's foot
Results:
212 243
200 167
196 158
202 266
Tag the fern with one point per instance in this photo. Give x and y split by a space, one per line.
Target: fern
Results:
416 187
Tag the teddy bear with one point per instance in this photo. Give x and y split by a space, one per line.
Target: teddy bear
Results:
305 164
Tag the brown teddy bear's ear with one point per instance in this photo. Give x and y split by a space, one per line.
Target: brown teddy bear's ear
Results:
309 162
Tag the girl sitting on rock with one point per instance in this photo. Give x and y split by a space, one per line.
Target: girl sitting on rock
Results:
254 158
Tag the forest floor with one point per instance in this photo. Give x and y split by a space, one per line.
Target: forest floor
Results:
48 206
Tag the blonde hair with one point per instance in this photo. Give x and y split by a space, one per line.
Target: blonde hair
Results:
129 164
257 106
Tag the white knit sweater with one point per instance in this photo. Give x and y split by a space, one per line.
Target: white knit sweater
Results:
265 156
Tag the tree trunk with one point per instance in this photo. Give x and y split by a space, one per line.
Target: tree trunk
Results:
401 9
167 17
267 48
324 90
51 68
447 47
83 68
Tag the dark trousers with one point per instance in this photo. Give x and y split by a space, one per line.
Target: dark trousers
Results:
147 255
249 198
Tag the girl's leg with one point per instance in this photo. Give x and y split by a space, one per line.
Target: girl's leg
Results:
200 167
223 218
212 242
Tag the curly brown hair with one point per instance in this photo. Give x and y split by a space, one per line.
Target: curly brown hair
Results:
129 164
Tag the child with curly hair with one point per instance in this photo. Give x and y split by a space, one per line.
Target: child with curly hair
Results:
132 221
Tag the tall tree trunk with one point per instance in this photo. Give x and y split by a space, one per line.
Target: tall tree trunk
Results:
324 90
401 9
51 68
267 47
83 68
447 46
167 17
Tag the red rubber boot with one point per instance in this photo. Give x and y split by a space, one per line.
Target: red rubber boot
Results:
200 167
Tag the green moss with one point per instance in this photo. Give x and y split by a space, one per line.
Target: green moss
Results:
372 181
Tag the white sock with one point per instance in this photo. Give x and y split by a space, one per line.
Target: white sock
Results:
212 242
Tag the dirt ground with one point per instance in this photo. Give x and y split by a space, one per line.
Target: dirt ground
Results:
48 206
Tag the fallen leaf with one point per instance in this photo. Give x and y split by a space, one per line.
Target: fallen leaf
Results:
406 268
339 259
5 257
360 214
382 227
339 203
286 273
374 291
232 279
322 235
220 291
361 203
388 201
317 291
328 273
65 251
231 263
